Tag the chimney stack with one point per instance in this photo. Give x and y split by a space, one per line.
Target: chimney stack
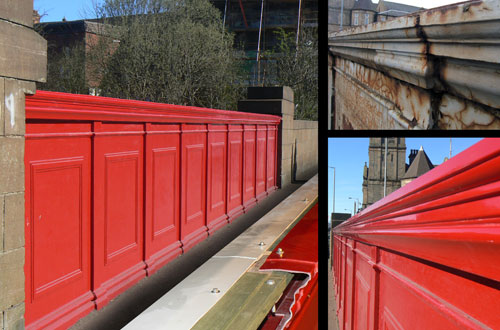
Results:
411 157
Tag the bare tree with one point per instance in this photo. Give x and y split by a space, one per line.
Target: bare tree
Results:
168 51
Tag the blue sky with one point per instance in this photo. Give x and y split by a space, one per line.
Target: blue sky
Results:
72 10
55 10
348 156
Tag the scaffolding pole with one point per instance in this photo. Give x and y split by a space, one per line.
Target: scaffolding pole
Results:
258 43
298 24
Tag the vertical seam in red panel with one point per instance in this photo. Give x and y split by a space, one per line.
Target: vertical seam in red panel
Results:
265 161
92 213
376 299
226 207
207 146
243 167
344 286
181 186
144 194
255 160
353 279
276 158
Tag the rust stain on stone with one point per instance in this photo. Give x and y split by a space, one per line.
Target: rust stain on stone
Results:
345 123
457 113
412 102
444 13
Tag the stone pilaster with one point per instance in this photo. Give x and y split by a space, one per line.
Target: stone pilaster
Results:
23 61
276 101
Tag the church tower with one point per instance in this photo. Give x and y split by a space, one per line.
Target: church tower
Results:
373 173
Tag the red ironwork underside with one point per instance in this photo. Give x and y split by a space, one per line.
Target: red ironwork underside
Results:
298 306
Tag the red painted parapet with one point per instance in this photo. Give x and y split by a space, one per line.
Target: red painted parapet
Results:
426 256
115 189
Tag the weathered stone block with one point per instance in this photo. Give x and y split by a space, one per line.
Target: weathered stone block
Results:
286 151
14 318
457 113
11 278
287 120
288 108
2 221
14 105
287 136
305 124
12 164
356 108
23 52
19 11
286 171
2 106
14 221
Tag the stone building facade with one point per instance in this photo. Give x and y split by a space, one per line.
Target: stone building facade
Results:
343 14
373 174
399 173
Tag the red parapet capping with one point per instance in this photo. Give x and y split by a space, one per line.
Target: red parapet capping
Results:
64 106
425 256
115 189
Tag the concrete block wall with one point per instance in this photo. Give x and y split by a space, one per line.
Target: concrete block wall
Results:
296 138
22 62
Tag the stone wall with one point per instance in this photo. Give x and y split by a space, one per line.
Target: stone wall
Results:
305 135
22 62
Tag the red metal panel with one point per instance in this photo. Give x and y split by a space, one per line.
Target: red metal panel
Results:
235 171
249 137
86 141
342 295
216 177
118 209
57 264
349 286
271 158
261 162
431 246
307 317
194 185
364 285
300 255
162 239
342 286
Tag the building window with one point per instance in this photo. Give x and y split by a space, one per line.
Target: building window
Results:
355 19
367 18
382 18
